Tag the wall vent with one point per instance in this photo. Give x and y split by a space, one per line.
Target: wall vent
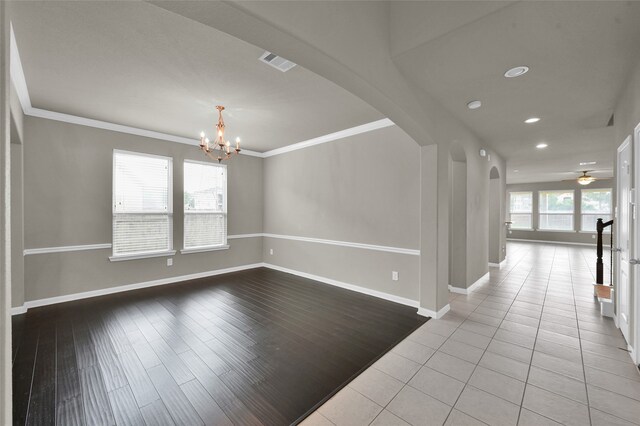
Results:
276 61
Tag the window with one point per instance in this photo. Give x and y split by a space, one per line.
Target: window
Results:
205 206
520 209
142 205
556 210
594 204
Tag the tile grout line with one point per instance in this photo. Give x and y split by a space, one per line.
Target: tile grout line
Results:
584 372
435 351
535 341
501 282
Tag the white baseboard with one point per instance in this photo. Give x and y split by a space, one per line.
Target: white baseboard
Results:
18 310
633 354
119 289
551 242
352 287
498 265
170 280
472 287
433 314
458 290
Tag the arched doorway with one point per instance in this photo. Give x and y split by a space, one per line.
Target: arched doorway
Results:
495 210
457 217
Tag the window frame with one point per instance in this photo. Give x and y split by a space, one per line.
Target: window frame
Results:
200 249
582 213
572 214
142 255
530 213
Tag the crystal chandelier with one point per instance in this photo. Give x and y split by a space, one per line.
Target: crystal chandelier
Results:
219 149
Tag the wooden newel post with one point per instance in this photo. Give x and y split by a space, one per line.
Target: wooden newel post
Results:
599 264
600 226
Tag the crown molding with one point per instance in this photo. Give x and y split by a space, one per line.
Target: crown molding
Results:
105 125
20 83
352 131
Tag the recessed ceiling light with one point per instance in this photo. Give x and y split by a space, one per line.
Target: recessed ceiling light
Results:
516 71
587 163
516 171
474 104
542 145
532 120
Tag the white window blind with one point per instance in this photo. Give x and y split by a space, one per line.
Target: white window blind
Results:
521 209
205 205
594 204
142 205
556 210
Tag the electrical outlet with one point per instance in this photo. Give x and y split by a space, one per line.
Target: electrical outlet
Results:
593 236
170 261
394 275
271 252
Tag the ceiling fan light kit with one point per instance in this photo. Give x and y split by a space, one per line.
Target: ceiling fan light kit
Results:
585 179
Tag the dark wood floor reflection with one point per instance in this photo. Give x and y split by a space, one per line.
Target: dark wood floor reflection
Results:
252 347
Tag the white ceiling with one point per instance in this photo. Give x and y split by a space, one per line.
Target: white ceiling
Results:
139 65
135 64
579 53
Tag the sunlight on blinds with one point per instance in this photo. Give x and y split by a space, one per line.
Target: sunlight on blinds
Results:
141 204
205 205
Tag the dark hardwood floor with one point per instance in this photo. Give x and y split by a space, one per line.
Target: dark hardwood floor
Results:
247 348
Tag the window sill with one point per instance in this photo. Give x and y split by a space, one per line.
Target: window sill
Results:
142 256
522 229
566 231
203 249
594 232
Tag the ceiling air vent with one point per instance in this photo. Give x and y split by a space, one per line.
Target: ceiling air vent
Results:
276 61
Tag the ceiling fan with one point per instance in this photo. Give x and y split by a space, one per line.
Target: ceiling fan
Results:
584 179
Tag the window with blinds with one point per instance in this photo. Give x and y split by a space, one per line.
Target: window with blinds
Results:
142 205
594 204
555 210
205 205
521 210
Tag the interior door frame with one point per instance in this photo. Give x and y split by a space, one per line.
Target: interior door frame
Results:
628 142
635 233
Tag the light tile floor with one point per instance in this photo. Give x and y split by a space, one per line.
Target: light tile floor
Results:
527 348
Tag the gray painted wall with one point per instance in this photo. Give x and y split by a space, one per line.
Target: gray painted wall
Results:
68 195
355 189
433 294
458 228
496 204
17 231
560 236
17 116
17 226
